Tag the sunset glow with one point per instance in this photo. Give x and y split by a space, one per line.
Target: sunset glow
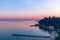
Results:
29 8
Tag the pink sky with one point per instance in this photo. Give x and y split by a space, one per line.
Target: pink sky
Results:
36 15
29 8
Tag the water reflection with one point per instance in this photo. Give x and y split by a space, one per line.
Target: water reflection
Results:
21 27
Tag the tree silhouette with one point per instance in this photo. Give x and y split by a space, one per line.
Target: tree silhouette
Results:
50 21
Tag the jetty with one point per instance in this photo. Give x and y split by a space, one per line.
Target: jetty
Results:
21 35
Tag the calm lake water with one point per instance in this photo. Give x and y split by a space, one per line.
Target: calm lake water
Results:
7 28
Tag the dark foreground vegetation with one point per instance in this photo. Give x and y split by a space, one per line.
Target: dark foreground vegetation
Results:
57 38
50 21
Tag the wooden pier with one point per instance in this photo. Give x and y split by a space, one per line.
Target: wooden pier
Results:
30 36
